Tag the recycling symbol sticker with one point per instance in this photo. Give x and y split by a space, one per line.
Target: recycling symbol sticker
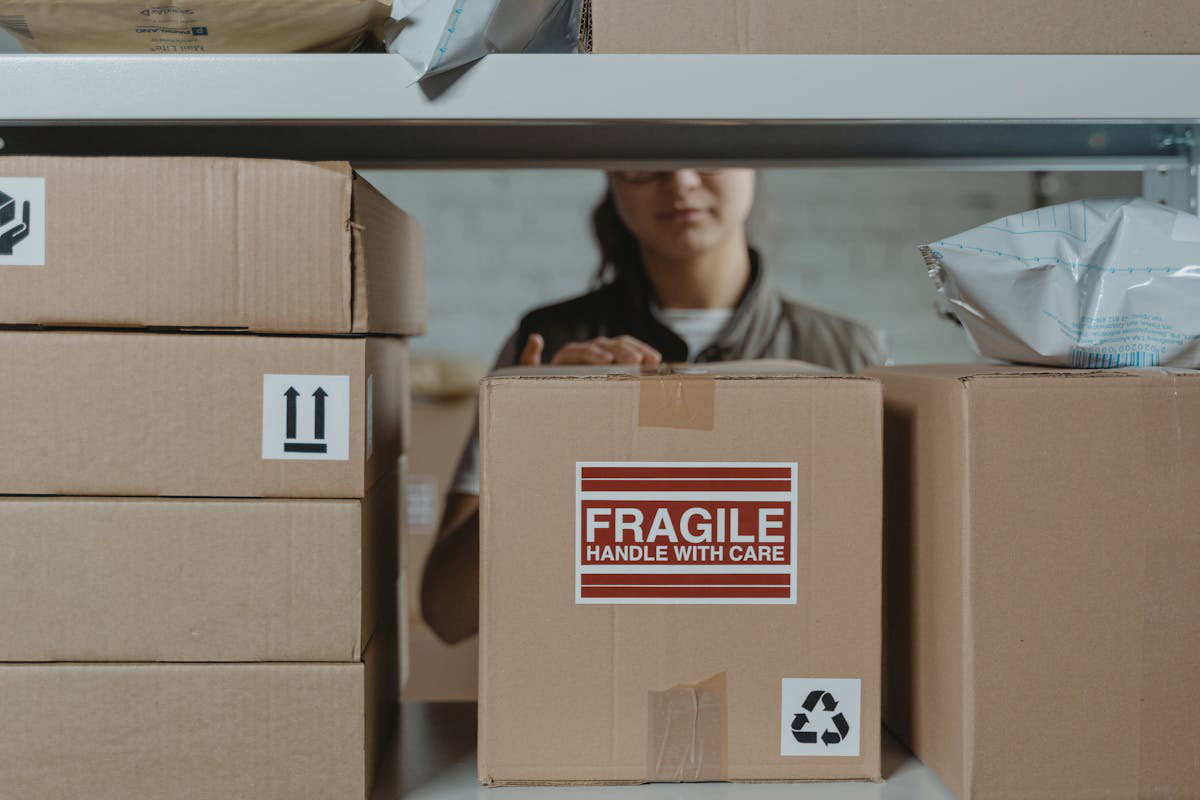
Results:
820 717
805 734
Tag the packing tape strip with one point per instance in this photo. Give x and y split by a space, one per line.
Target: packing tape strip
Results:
687 733
676 400
1170 646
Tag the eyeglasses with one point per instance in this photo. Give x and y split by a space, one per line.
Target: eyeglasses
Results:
643 177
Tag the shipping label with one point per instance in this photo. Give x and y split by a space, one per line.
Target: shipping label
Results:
306 417
821 717
685 533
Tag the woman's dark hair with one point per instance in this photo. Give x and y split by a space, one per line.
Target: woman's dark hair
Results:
619 249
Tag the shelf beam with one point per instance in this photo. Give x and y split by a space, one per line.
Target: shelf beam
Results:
994 112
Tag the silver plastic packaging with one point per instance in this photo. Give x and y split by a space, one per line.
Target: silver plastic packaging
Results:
1112 282
434 36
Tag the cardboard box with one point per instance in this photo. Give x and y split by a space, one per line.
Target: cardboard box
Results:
213 243
200 26
111 579
1043 559
435 670
739 638
916 26
199 415
195 731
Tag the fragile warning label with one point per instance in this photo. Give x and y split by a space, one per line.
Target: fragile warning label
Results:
685 532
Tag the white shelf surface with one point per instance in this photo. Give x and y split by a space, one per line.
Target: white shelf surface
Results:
377 87
433 758
1131 110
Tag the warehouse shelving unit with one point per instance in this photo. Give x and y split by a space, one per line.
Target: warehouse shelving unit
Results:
960 112
975 112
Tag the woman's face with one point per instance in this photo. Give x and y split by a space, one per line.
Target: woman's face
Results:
684 213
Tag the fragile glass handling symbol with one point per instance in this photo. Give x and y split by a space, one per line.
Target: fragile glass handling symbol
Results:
828 707
318 423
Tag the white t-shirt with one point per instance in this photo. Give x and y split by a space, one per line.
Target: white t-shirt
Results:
698 327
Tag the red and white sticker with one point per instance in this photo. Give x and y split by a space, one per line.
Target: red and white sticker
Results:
685 532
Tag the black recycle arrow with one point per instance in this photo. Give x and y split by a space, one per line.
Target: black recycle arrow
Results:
798 732
818 696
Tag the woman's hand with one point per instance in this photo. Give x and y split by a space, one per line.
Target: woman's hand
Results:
601 350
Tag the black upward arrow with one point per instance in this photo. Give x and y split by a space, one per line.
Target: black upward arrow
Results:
319 420
291 394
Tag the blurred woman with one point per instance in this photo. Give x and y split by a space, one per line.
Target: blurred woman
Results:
678 281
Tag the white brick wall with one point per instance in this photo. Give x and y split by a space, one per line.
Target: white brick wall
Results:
500 242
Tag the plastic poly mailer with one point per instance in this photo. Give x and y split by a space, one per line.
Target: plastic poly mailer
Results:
1095 283
438 35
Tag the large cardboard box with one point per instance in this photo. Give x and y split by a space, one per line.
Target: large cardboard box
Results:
199 26
195 731
111 579
680 576
269 246
1043 558
199 415
916 26
434 671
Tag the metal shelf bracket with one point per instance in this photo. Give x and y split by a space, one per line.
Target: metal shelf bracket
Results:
1175 184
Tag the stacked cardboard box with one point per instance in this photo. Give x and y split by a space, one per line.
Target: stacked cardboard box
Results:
916 26
1042 618
198 533
445 399
687 588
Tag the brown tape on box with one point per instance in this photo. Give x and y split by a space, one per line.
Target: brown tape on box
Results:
687 732
675 400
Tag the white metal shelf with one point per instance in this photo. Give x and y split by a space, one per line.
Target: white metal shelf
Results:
377 87
433 758
1018 112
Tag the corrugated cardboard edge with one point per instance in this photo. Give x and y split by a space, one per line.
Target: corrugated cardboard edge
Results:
687 732
967 627
485 632
381 694
922 637
381 514
388 265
